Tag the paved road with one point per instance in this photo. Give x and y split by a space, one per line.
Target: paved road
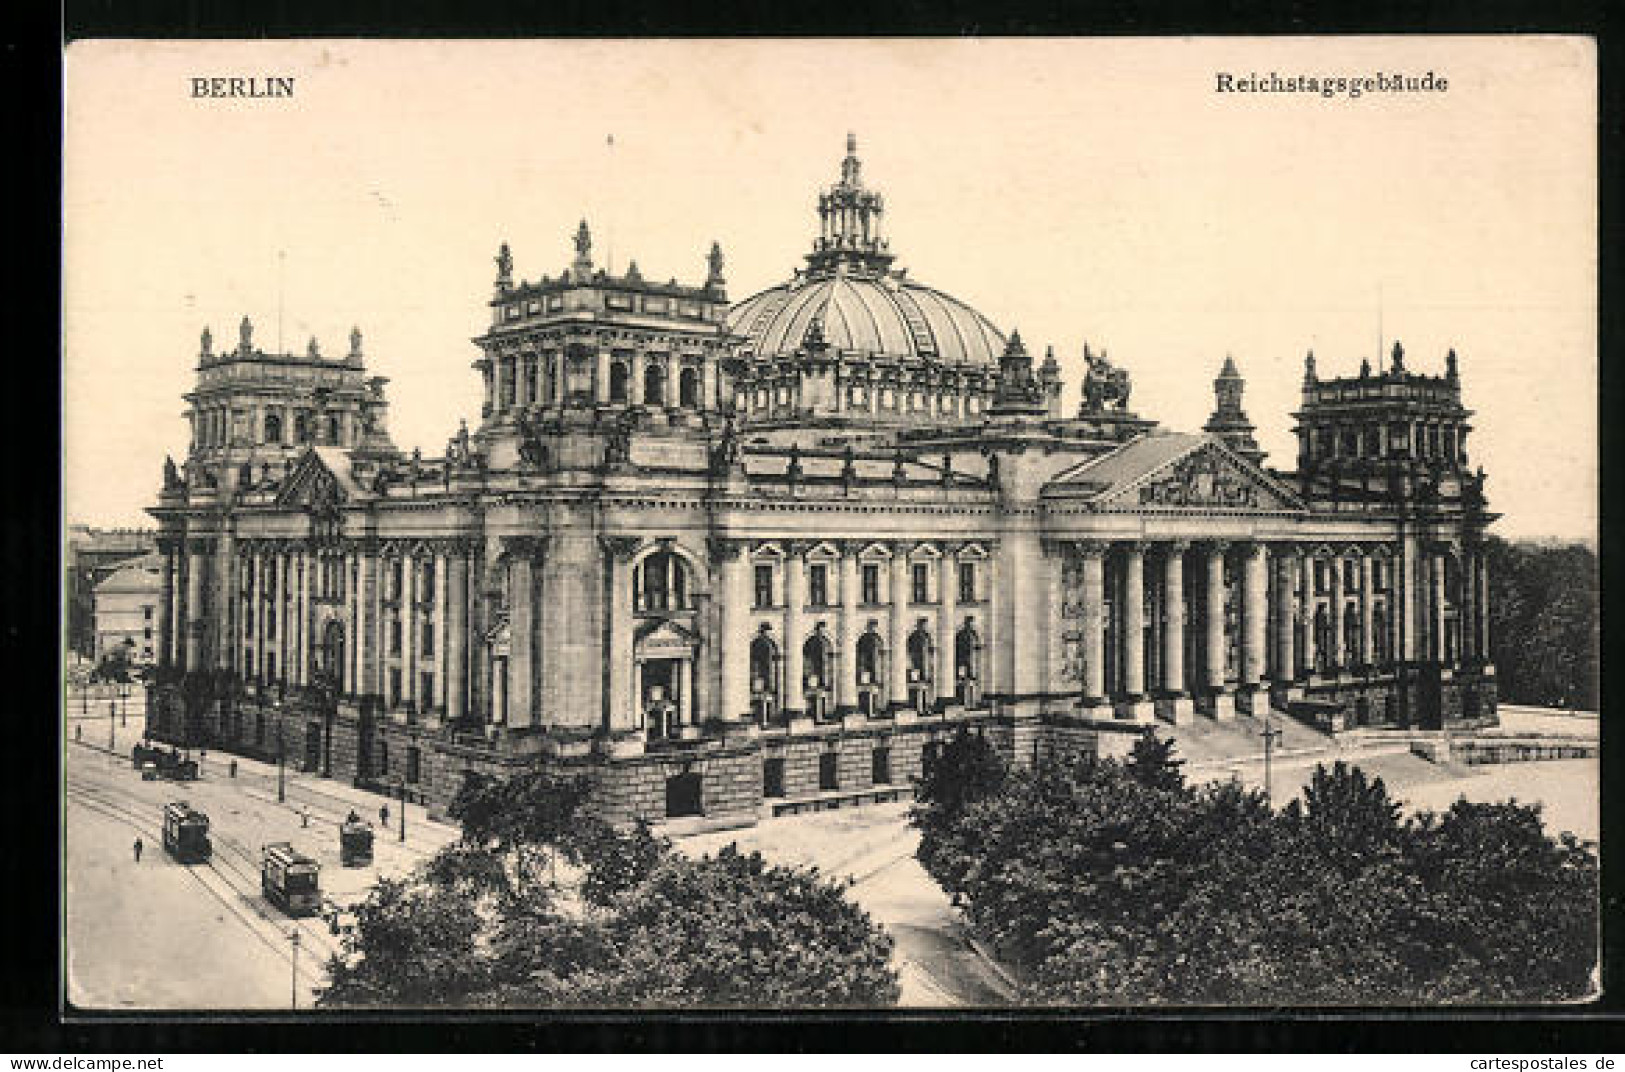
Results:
161 935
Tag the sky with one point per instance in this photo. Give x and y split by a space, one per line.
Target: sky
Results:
1098 190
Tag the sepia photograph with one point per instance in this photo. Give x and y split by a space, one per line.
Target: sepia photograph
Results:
923 523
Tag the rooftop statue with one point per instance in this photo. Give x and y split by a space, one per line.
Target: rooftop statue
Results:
1104 384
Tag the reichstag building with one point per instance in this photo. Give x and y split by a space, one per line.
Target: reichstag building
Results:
743 558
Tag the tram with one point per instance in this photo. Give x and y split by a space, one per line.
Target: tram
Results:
355 842
186 833
289 880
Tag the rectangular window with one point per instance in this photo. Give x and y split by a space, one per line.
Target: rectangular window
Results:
395 580
764 586
394 687
773 777
922 582
871 583
394 636
426 690
426 583
829 771
270 666
146 613
881 766
146 634
270 623
818 585
427 646
414 763
967 582
383 758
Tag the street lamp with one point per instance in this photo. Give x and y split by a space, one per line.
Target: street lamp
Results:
1270 735
281 786
403 807
293 941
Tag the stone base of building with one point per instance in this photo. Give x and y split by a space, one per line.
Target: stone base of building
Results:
1178 709
1141 711
736 773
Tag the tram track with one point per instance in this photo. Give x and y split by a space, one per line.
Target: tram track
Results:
232 863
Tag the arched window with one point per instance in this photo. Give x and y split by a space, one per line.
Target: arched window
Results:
1352 652
618 377
764 666
273 428
871 654
817 661
688 388
660 583
654 385
967 654
919 655
1379 637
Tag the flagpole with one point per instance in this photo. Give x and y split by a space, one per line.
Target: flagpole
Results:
609 212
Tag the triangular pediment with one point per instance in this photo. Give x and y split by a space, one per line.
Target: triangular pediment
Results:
1161 473
320 481
665 636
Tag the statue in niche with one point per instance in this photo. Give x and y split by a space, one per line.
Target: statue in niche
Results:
726 454
245 475
849 467
532 452
792 470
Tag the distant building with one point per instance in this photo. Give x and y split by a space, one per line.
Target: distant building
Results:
126 609
740 559
89 556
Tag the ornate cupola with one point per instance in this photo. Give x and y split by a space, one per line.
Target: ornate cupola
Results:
849 224
1229 422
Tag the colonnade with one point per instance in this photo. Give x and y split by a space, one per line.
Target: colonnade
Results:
539 376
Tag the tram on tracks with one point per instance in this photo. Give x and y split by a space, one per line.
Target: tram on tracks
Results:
355 842
290 879
166 763
186 833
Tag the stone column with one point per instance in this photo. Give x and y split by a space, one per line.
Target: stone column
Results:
1481 605
521 632
1436 646
1287 562
166 610
601 382
846 659
1223 701
1408 590
369 652
733 629
708 381
794 600
897 644
456 633
197 554
1175 704
224 597
1306 612
685 692
1334 650
1254 625
620 703
1093 556
947 607
1131 645
634 379
440 563
1368 599
301 606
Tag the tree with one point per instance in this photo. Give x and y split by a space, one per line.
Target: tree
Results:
636 923
1113 883
1151 761
1544 603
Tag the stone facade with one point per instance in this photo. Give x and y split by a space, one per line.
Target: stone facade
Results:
728 607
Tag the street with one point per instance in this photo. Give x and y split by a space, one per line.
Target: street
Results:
160 935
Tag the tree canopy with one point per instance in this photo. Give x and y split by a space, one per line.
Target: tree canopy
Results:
1544 604
1119 883
627 921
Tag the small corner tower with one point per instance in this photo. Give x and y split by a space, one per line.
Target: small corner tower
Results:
1229 422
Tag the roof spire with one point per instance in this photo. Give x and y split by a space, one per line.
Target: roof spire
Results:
1228 421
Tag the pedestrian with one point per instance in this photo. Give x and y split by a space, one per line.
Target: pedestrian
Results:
383 814
78 733
304 818
137 850
234 768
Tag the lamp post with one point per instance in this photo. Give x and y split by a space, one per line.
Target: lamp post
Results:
293 960
281 786
1270 735
403 808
